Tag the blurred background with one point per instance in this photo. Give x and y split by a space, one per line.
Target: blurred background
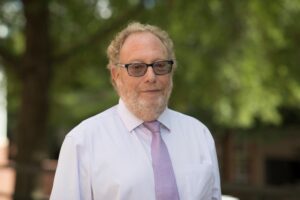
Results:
238 72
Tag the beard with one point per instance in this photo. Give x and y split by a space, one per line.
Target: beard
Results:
144 108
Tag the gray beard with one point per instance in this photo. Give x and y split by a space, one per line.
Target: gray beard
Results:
148 112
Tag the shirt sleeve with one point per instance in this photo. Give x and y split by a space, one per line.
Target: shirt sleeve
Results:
216 187
72 180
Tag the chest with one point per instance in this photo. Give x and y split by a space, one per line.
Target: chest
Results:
122 167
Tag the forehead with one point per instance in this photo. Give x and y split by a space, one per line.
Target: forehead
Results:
143 43
140 35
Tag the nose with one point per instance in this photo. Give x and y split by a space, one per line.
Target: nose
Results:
150 75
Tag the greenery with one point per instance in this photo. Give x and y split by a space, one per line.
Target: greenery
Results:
238 61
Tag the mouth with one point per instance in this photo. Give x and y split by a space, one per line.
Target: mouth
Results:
152 91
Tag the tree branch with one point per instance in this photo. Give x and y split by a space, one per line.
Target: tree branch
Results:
98 35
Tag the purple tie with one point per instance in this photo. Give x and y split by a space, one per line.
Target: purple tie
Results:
164 178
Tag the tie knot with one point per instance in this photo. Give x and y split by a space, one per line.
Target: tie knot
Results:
153 126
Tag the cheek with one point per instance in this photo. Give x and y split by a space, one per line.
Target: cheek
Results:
128 85
133 83
166 82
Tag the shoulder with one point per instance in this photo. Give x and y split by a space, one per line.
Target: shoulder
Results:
93 124
189 124
185 120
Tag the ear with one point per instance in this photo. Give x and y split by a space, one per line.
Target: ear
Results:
115 72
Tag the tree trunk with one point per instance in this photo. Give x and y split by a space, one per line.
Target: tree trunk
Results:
35 80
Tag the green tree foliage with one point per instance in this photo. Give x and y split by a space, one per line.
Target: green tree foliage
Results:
238 61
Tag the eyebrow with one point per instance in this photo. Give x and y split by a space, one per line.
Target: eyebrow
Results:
155 60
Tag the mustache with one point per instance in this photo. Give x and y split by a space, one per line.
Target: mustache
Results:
151 90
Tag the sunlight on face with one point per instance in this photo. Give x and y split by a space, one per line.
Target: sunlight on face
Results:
145 96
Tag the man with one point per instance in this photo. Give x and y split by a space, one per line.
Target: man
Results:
139 149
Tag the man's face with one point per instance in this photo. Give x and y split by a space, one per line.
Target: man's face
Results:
145 96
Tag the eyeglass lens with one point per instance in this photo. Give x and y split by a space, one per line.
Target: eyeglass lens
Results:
140 69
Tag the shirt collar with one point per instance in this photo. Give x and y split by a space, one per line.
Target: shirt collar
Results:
164 119
131 121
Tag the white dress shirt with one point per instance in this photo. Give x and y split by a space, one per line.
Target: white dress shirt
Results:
108 157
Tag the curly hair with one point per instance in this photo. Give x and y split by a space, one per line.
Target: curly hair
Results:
113 50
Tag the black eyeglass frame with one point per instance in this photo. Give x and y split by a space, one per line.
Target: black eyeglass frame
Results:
170 62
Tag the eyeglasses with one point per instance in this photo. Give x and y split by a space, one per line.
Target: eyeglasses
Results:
140 69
